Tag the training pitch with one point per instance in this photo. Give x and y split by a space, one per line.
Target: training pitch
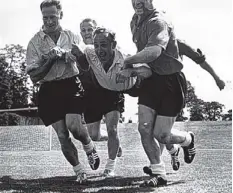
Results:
31 161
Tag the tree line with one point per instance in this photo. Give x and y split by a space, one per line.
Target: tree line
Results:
16 91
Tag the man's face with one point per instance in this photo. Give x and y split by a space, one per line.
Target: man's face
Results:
104 48
51 18
141 6
87 29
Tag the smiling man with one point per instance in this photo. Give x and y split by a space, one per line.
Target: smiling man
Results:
60 98
89 82
106 61
162 95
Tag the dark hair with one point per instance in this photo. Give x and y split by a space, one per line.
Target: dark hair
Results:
48 3
110 33
89 20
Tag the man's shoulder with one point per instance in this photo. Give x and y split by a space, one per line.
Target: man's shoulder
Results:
71 33
159 17
36 38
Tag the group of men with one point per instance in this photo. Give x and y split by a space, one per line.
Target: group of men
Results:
88 83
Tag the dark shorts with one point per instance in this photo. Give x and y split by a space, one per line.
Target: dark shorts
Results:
101 101
58 98
164 93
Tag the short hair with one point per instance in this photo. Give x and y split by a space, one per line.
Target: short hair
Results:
88 20
48 3
111 34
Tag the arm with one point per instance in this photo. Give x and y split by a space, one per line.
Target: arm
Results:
38 67
186 50
40 72
199 58
158 38
80 57
220 83
147 55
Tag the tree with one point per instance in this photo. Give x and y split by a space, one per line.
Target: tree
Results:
213 111
190 97
16 91
181 117
14 88
196 111
228 116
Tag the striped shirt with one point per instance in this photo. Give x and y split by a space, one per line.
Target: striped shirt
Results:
41 44
108 79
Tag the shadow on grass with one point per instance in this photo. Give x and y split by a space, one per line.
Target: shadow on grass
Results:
65 184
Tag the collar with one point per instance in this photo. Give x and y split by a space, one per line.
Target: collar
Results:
43 35
117 59
144 16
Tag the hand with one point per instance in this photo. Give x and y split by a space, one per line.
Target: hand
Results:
123 75
76 51
54 53
69 57
220 84
143 72
139 81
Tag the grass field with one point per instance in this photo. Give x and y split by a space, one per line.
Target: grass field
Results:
31 161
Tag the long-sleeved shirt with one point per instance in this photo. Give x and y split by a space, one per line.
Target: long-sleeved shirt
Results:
108 79
41 44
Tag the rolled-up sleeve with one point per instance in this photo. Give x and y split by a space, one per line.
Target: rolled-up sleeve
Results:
32 58
158 34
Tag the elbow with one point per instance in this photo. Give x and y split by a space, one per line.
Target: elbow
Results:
34 76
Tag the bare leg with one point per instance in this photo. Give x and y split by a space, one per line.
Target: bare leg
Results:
67 147
95 132
146 125
112 119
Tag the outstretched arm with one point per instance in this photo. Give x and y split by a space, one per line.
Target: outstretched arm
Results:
199 58
220 83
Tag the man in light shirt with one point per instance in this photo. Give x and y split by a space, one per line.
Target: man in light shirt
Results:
60 98
89 82
106 61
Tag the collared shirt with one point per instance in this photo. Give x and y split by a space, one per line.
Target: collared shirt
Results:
41 44
108 79
154 29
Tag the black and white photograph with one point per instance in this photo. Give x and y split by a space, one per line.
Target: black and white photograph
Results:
116 96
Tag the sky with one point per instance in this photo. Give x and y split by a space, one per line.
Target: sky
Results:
204 24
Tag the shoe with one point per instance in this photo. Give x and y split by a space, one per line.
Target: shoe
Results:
147 170
119 153
175 161
155 181
82 178
189 151
108 173
93 159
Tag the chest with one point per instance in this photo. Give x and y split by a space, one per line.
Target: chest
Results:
140 34
47 43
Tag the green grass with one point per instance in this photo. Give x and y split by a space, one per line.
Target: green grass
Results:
30 163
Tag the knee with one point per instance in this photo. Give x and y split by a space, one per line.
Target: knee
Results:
94 136
112 131
74 129
64 140
164 138
145 129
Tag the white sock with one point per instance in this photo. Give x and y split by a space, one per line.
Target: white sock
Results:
89 147
79 169
110 165
158 168
174 149
188 140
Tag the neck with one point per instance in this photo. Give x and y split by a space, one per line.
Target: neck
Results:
54 35
108 64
